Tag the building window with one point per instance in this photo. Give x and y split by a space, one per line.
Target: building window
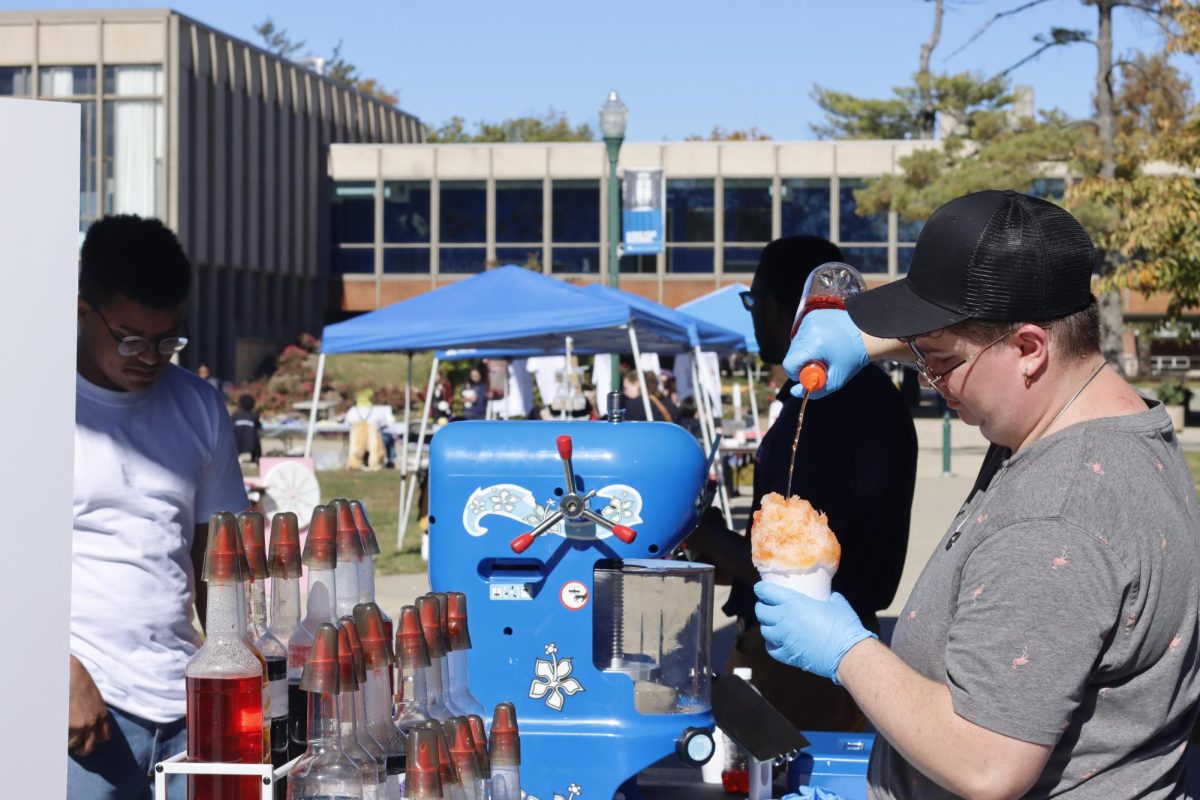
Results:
575 216
60 83
134 141
78 84
354 261
583 260
352 213
644 264
16 82
908 231
903 259
519 211
406 260
804 207
748 211
689 259
529 256
690 218
741 259
852 227
867 260
462 260
1045 188
464 212
406 212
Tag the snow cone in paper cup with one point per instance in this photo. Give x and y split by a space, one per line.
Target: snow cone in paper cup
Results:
793 546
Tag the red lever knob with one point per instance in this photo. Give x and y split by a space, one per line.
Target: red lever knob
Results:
522 542
564 446
626 535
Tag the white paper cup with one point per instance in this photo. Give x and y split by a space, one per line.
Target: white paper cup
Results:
814 583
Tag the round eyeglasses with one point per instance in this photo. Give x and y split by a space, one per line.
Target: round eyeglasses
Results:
130 346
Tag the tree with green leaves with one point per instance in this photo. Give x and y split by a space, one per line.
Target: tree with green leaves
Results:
719 134
335 67
553 126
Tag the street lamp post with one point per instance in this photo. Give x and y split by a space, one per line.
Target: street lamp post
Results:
612 126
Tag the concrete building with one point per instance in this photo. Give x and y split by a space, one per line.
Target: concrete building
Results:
224 142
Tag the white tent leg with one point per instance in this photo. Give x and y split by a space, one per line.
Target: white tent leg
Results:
403 466
312 413
406 501
750 386
705 409
641 376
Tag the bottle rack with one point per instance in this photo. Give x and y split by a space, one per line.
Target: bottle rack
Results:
179 765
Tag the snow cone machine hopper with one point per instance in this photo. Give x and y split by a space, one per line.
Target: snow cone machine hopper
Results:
559 533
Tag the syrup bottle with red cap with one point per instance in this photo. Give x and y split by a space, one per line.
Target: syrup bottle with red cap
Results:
412 655
504 753
435 687
448 687
372 768
366 565
361 734
226 678
349 554
378 658
273 651
283 565
459 636
827 287
423 777
452 787
466 760
479 734
323 770
321 558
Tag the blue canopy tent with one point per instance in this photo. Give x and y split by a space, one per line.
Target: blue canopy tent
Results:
508 309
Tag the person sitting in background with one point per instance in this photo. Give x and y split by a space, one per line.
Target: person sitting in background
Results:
635 409
475 396
687 416
205 374
366 438
247 430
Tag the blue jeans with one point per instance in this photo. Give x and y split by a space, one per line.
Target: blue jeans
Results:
123 767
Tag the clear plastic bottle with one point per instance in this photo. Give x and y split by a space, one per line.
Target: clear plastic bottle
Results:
349 556
412 700
226 678
443 604
462 752
320 556
435 687
827 287
283 564
324 772
377 653
422 779
271 648
452 787
373 772
504 753
460 645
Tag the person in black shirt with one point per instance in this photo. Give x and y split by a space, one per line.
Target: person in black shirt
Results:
856 462
247 429
635 409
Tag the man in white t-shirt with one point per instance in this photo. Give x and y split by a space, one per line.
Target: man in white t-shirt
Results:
154 457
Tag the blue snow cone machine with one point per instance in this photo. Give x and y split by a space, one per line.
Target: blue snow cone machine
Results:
560 535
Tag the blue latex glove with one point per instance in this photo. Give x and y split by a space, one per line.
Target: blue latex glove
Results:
806 633
812 793
829 336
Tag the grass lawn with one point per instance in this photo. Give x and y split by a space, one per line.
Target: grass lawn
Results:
380 494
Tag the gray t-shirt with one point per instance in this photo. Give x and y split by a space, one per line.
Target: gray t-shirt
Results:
1061 608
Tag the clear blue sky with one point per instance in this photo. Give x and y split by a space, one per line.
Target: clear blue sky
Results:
682 66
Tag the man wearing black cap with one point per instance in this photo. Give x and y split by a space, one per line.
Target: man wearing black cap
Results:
1050 647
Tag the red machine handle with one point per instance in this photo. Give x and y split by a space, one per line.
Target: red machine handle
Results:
626 535
522 542
564 448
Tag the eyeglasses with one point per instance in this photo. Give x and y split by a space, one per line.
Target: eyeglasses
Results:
747 299
129 346
934 379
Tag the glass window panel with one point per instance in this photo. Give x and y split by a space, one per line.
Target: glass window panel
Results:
690 211
518 211
908 231
1045 188
461 259
353 261
89 196
406 212
741 259
521 256
854 228
747 210
352 213
406 260
643 264
464 212
576 215
16 81
804 207
689 259
872 260
136 81
67 81
134 157
903 259
576 259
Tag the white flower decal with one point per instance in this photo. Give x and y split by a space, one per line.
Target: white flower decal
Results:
619 508
504 500
477 506
573 790
553 679
540 513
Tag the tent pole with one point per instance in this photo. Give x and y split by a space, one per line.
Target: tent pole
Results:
407 426
312 412
406 502
753 399
702 396
641 376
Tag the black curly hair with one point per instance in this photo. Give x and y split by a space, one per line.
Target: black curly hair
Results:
138 257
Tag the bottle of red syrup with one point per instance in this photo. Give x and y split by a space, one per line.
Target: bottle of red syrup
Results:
827 286
226 677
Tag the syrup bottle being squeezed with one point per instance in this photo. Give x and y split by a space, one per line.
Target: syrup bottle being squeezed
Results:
271 648
226 679
284 567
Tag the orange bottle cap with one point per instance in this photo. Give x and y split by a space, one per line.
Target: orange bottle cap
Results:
813 376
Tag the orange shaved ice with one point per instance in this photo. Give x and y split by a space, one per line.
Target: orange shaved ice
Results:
789 535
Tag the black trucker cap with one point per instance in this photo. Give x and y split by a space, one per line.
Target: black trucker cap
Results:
991 255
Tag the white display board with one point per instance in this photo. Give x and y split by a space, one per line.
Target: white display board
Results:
39 255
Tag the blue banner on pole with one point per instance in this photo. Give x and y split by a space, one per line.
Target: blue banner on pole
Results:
642 196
